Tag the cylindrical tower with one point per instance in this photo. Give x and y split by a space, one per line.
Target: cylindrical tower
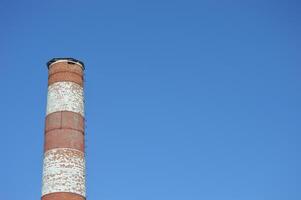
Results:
64 150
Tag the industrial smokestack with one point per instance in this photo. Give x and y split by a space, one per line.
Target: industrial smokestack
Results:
64 149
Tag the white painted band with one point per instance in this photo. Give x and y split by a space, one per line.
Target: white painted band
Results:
64 171
65 96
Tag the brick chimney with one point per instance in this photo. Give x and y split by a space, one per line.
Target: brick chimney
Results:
64 147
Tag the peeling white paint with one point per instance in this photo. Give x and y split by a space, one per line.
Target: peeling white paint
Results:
65 96
64 171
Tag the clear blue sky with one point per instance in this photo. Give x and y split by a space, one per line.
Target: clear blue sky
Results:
185 100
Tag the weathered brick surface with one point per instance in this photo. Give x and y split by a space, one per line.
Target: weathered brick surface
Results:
65 66
65 76
63 196
53 121
64 138
64 71
64 120
64 158
65 96
72 120
64 171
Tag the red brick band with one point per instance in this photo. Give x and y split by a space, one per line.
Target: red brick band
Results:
63 196
65 66
65 120
65 76
64 129
64 71
64 138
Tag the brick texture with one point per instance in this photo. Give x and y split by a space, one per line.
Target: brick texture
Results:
64 138
63 196
62 71
64 120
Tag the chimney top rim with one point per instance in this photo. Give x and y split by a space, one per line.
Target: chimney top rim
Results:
72 60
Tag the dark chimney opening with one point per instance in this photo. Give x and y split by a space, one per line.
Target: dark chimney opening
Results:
71 63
